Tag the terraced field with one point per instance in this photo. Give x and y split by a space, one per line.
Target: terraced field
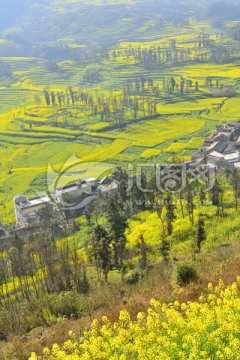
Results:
34 135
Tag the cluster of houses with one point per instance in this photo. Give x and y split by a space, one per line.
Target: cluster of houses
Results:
221 150
27 209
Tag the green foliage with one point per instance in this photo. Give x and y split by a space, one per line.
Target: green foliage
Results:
185 274
132 277
165 250
66 304
200 233
100 250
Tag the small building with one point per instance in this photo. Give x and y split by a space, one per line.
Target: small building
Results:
75 190
208 142
105 188
26 209
231 147
215 157
233 124
217 146
223 137
232 158
92 181
236 133
107 180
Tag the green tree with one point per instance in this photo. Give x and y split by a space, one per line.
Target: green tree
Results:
170 216
100 250
143 252
235 181
47 97
216 195
165 250
200 233
117 223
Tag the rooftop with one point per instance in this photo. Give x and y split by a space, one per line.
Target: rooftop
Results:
70 188
89 180
234 124
231 157
76 185
216 154
39 200
105 188
223 134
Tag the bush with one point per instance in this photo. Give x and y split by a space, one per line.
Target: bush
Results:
132 277
186 273
64 304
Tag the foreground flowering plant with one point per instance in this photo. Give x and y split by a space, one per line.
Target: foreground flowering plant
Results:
208 329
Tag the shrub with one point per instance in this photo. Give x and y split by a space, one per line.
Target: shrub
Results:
186 273
64 304
132 277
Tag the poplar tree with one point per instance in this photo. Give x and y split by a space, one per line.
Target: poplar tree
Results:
200 233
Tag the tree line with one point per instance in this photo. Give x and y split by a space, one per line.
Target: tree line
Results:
204 50
137 100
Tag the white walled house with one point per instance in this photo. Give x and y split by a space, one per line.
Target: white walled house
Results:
214 157
83 191
232 158
26 209
76 190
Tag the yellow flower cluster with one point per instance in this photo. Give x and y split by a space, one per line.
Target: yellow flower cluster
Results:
208 329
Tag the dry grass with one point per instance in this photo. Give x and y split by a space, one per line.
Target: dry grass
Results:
221 262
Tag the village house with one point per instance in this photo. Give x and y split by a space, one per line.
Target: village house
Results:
108 187
81 193
208 142
26 209
231 147
232 158
218 146
76 190
214 157
222 150
223 137
235 129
